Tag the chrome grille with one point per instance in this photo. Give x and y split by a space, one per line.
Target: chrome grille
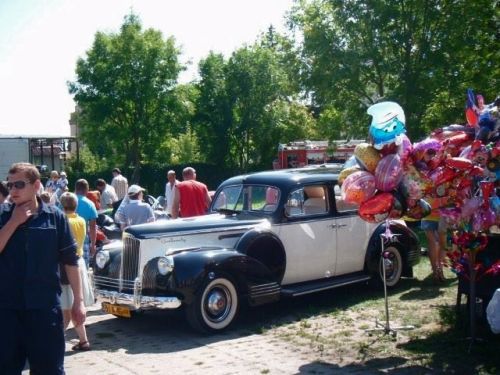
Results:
130 259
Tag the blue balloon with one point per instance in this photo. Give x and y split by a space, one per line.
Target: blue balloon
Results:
388 123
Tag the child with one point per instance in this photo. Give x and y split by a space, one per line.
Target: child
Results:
69 202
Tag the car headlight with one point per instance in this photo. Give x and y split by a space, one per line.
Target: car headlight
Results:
102 258
165 265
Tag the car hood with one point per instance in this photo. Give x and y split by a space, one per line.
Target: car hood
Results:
210 223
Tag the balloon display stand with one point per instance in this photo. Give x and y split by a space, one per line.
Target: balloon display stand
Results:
386 327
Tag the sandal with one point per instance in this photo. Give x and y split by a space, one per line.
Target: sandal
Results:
81 346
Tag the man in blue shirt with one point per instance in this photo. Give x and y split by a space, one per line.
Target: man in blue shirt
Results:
34 240
87 210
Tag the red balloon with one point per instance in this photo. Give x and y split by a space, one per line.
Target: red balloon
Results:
476 171
462 164
471 117
389 149
441 175
377 208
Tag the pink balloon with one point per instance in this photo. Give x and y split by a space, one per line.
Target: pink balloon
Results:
358 187
388 173
405 148
483 219
470 206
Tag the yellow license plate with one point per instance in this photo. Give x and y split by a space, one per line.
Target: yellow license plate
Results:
116 310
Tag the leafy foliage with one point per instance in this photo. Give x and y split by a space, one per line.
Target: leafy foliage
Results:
125 88
422 54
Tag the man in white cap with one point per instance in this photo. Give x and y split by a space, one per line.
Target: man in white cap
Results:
135 211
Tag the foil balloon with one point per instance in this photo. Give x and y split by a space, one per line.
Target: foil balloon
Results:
388 123
451 215
424 146
462 164
358 187
367 156
486 190
398 206
495 205
470 206
388 173
419 210
405 149
346 172
470 105
377 208
414 184
441 175
388 149
483 219
471 117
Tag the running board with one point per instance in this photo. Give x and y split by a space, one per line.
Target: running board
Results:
294 290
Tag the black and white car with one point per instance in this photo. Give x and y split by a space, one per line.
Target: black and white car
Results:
267 235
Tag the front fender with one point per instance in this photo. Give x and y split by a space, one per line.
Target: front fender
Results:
405 240
192 268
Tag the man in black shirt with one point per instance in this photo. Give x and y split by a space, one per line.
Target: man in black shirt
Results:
34 239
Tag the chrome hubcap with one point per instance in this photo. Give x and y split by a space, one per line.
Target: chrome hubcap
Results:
218 304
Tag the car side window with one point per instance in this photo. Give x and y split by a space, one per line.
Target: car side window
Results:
306 201
343 206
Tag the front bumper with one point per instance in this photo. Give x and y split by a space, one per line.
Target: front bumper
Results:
135 301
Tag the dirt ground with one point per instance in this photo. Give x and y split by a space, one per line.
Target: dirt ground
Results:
325 333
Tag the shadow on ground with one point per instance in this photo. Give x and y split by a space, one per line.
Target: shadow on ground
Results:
445 351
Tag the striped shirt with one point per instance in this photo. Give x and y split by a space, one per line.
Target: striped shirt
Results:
120 184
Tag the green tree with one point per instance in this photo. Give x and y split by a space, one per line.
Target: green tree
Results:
420 53
249 103
259 86
213 118
125 87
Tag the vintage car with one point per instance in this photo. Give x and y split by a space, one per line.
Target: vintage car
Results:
267 235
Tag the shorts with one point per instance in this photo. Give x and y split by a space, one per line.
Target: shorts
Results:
443 225
429 225
88 293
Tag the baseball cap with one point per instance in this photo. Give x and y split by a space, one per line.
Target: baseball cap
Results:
134 189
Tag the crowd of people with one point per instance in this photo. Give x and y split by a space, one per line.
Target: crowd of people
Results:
41 295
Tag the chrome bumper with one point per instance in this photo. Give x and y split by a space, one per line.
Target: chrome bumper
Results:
134 301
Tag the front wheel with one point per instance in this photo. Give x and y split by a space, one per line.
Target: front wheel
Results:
215 307
393 263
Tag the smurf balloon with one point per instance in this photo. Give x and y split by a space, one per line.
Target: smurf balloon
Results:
388 124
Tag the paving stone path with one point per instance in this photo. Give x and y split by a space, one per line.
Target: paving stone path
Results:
159 343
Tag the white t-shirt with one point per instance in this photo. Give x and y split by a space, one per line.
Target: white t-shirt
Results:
108 196
169 196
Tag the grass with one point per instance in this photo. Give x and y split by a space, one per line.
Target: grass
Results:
332 325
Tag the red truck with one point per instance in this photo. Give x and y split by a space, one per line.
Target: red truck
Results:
302 153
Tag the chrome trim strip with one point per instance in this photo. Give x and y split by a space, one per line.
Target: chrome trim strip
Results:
204 231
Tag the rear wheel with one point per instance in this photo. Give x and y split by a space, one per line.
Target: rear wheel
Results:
393 263
215 307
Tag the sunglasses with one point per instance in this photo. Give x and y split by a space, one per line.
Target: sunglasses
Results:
17 184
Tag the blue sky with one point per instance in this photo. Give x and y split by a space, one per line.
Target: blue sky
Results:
40 41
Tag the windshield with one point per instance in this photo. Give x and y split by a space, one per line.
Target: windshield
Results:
238 198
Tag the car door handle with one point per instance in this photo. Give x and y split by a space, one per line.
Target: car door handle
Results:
333 226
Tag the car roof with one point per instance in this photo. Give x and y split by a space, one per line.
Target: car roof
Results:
287 177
